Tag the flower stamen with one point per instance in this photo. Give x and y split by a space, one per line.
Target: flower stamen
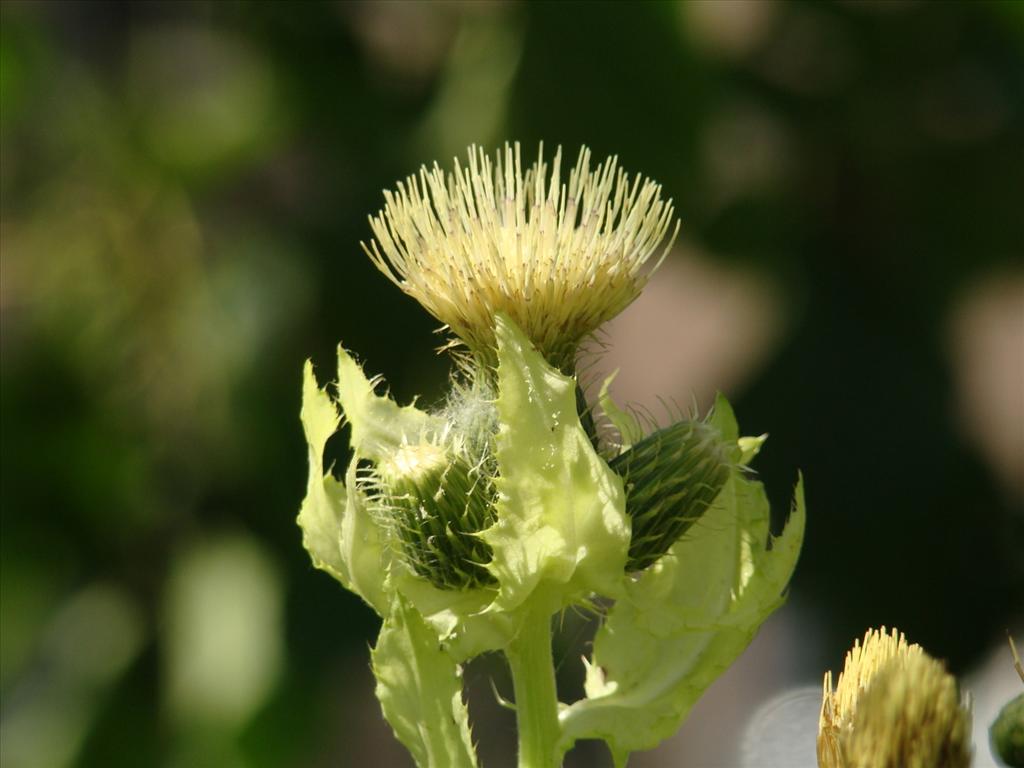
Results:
560 259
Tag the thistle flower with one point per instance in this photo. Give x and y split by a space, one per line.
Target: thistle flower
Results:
466 528
893 707
558 259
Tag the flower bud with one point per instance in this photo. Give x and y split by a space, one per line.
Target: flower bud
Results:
1007 733
671 477
437 503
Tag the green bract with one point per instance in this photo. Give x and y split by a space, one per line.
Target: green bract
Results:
468 528
671 477
561 530
437 504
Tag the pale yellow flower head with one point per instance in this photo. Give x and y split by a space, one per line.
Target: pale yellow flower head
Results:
558 258
893 707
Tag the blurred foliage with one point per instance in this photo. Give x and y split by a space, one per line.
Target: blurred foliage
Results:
184 187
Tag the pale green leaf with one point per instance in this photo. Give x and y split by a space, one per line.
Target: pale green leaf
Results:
723 417
750 447
339 535
626 423
321 511
420 691
364 547
379 425
459 617
561 530
687 618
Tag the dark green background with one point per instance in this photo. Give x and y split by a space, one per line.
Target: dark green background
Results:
184 188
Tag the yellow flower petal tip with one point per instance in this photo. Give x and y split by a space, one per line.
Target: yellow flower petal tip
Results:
558 258
894 706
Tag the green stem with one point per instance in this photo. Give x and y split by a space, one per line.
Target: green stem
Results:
533 680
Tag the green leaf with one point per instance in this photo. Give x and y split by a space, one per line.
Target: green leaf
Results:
686 619
458 617
320 514
750 447
723 417
561 530
339 535
626 423
420 691
379 425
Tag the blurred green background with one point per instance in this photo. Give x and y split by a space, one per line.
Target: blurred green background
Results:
184 188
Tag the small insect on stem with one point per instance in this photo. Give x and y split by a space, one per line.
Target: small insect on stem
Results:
1016 657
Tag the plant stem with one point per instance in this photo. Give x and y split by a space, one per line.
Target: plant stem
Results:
533 680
